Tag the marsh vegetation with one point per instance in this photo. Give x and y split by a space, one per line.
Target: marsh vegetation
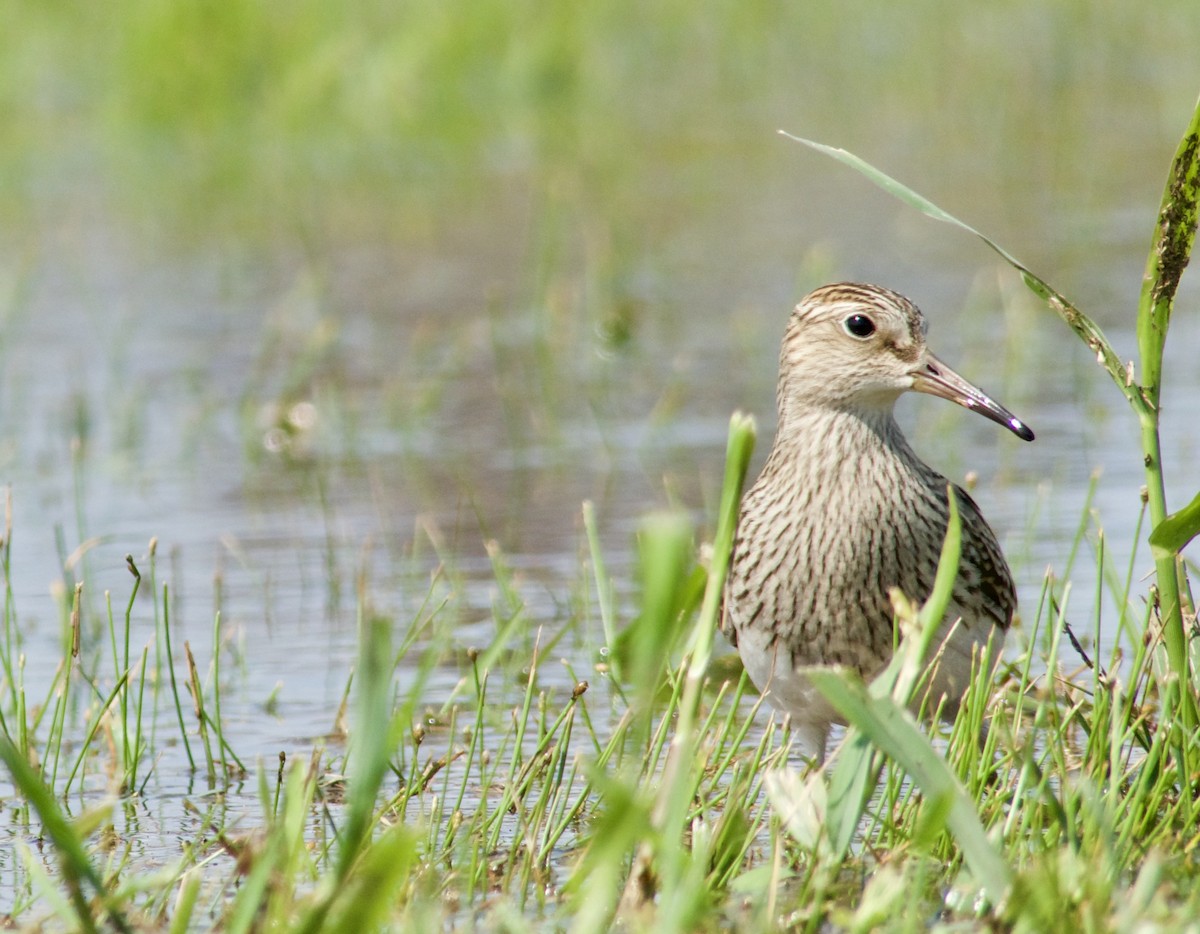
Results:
365 389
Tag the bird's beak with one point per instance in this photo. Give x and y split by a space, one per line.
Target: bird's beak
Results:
937 379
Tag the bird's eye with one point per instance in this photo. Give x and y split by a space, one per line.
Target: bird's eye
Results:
859 326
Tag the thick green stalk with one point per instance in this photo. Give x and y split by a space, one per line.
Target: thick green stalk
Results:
1166 570
1173 238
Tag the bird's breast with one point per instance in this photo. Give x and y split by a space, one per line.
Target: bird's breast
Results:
825 533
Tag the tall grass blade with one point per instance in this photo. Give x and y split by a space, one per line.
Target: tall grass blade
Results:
371 892
878 714
856 773
743 432
373 740
644 648
77 869
664 862
1088 331
604 592
166 628
1174 237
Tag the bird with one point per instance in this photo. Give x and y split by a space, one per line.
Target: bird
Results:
844 510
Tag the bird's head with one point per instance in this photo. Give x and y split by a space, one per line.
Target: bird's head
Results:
859 347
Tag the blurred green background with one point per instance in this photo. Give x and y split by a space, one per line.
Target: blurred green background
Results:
331 123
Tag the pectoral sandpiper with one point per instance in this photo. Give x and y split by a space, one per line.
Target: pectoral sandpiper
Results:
844 510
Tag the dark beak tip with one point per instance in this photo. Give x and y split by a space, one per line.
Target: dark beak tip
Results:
1021 430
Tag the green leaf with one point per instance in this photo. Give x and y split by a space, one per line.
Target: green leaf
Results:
374 739
859 764
904 672
892 729
665 553
880 725
1172 534
374 888
851 784
743 432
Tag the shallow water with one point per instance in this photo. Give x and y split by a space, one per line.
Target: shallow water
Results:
360 395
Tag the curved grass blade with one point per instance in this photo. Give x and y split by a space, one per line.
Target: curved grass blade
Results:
881 723
743 432
904 672
1089 332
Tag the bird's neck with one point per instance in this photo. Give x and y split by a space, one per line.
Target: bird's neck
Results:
820 439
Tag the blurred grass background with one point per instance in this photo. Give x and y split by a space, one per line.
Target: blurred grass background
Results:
194 115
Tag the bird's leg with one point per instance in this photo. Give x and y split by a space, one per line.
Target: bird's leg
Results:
810 741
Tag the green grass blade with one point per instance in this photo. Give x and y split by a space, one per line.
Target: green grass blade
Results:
851 785
665 863
77 867
375 887
604 590
1089 332
904 671
891 728
743 432
374 740
665 551
857 770
166 629
1174 237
